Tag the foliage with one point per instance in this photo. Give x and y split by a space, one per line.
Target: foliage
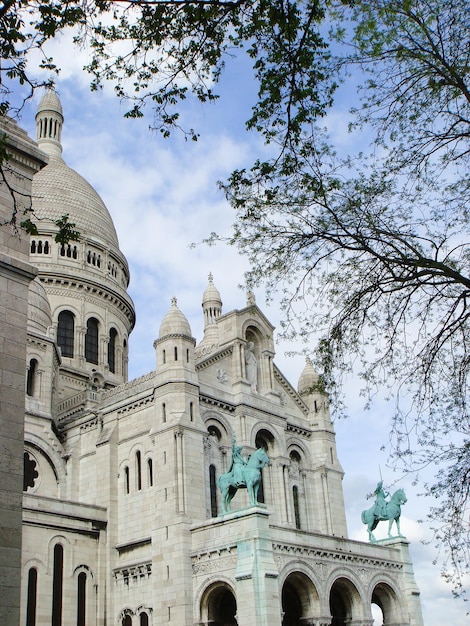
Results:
370 251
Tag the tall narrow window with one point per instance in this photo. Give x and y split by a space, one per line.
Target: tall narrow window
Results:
81 599
65 333
176 353
57 582
138 470
32 597
112 350
295 495
31 377
126 479
91 341
144 619
150 472
213 490
164 412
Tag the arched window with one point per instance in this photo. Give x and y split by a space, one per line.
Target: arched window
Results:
127 620
91 341
295 495
112 350
81 599
32 597
150 472
65 333
126 479
144 619
138 470
57 582
213 490
31 377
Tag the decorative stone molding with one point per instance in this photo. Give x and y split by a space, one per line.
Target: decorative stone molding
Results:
298 430
132 573
289 390
215 560
218 403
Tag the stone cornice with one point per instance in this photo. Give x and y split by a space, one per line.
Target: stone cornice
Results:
290 390
214 358
74 286
333 556
226 406
299 430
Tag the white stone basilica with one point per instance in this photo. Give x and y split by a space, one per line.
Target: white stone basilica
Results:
122 518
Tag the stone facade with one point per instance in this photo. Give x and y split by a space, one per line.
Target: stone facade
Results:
122 518
24 160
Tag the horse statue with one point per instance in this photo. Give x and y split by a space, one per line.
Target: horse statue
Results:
243 474
383 511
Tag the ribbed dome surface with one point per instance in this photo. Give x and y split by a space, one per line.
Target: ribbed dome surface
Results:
308 378
50 102
60 190
211 294
39 309
174 322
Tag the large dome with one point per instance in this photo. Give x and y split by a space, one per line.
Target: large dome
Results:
60 190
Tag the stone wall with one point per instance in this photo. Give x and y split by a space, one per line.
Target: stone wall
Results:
15 275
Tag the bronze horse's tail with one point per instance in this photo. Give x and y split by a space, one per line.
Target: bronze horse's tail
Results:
363 517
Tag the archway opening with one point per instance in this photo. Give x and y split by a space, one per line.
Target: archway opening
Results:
377 614
344 602
291 606
221 607
385 606
299 600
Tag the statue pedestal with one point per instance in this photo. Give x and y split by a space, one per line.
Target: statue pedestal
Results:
246 537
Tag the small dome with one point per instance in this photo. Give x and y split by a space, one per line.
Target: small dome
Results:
308 378
50 102
39 309
211 294
174 322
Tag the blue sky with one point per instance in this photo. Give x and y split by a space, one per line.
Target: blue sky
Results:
162 195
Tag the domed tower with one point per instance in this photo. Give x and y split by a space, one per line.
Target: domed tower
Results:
175 347
212 309
85 280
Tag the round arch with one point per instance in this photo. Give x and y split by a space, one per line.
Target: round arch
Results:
299 599
220 426
218 605
345 602
387 598
263 436
295 445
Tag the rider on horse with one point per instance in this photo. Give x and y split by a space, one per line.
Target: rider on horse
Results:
380 500
237 464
